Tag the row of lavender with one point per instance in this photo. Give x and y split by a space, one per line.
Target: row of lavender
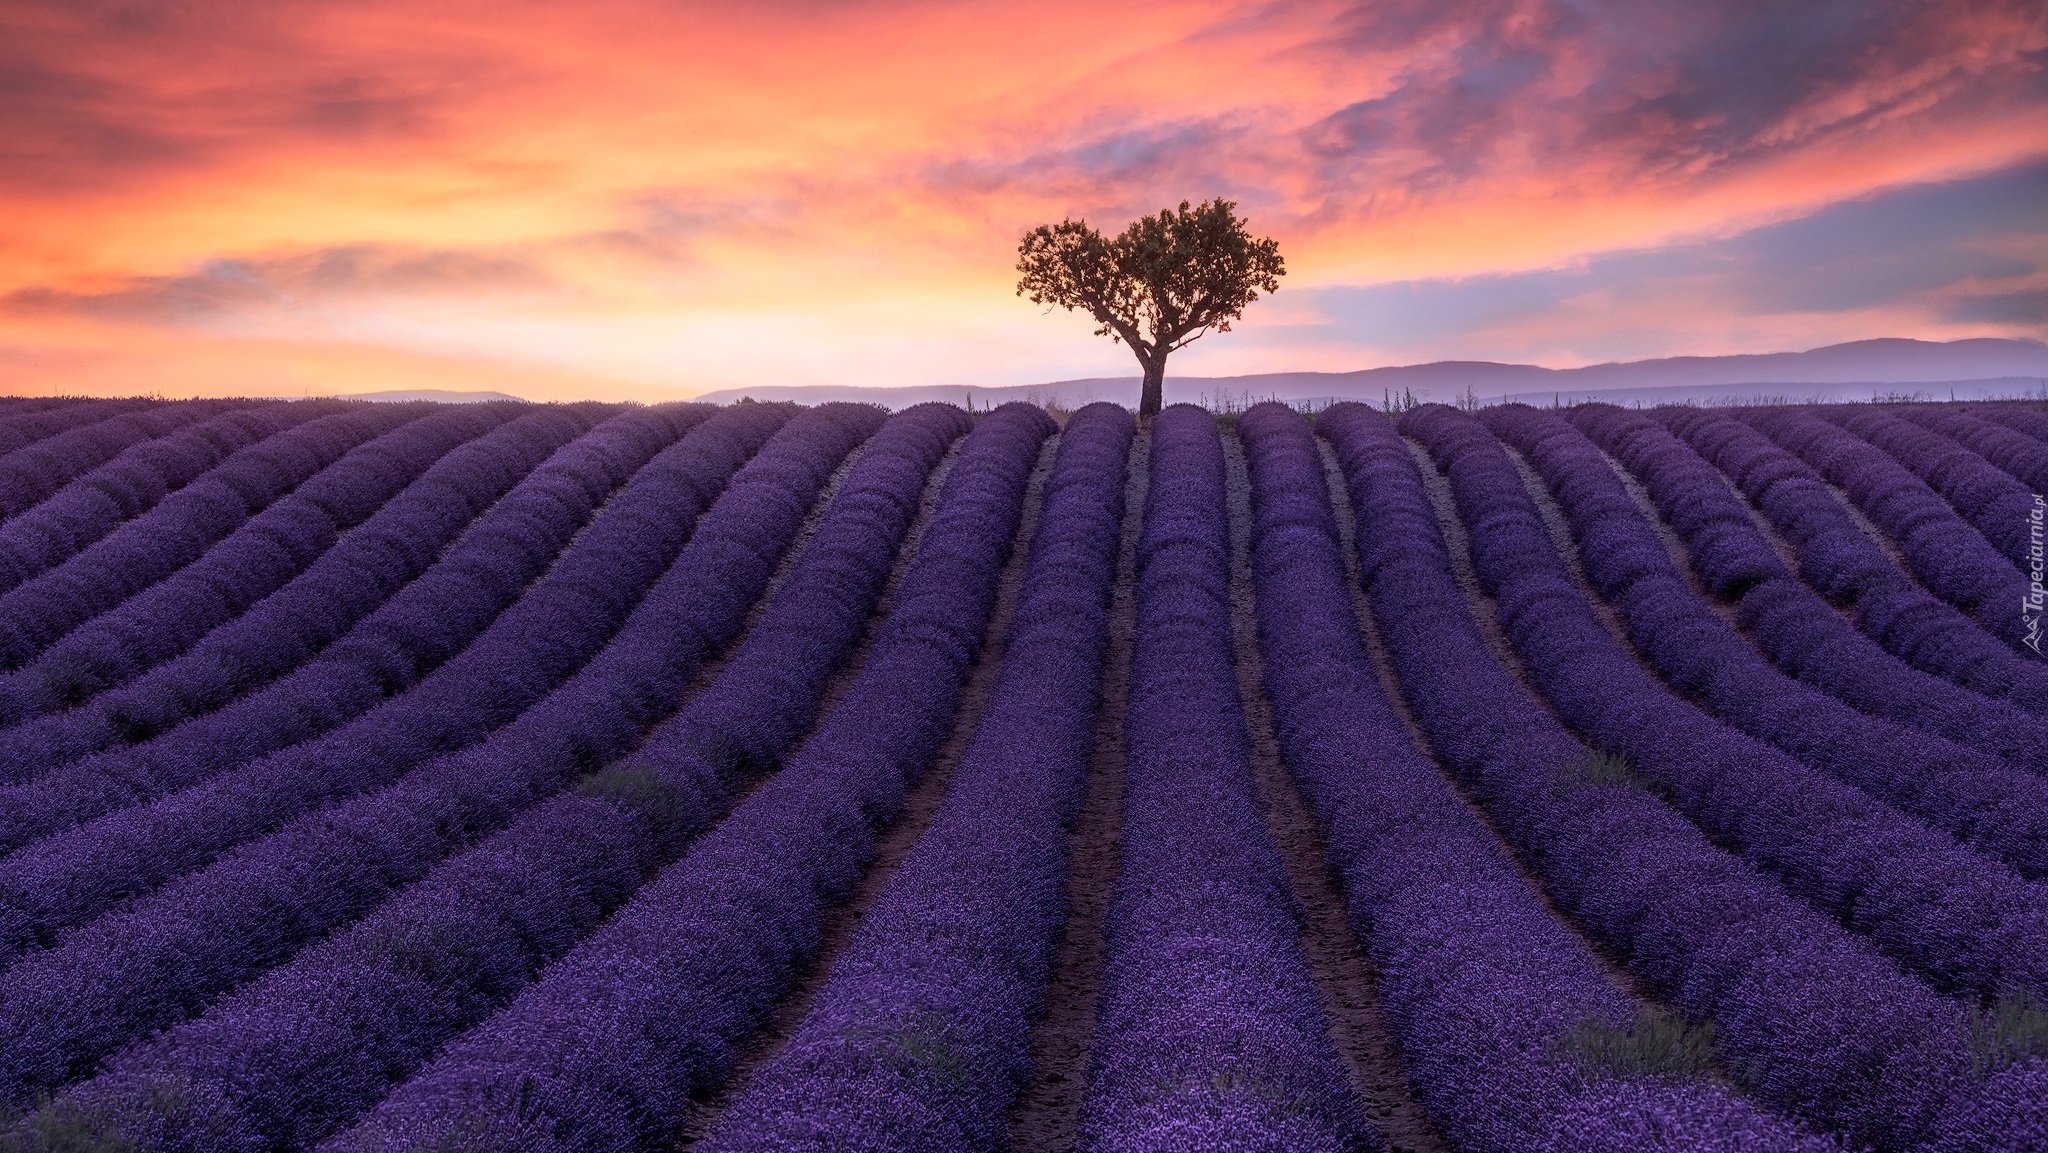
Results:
118 826
79 985
1906 838
331 1029
1514 1037
335 1026
478 869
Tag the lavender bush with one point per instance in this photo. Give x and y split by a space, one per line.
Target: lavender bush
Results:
688 967
1847 567
174 736
1500 1011
1990 500
165 957
29 475
1949 557
1976 798
1813 1019
361 572
538 642
1967 922
2022 457
1797 629
418 777
1209 1021
132 483
19 430
2028 419
249 564
919 1041
290 1058
178 530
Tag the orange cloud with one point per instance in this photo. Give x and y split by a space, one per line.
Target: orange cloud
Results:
667 198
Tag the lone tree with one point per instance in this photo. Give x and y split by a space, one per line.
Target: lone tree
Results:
1162 284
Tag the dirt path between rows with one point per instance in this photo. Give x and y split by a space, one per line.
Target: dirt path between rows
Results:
1481 608
1567 549
715 666
1342 970
920 805
1047 1114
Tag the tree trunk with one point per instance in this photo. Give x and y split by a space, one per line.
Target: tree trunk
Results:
1155 382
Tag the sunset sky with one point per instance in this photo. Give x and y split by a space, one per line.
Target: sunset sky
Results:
648 200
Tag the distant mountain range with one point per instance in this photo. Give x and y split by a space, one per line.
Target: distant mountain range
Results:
1972 369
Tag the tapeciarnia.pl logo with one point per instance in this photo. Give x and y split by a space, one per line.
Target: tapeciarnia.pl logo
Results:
2030 612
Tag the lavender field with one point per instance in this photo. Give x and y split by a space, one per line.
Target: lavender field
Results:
747 778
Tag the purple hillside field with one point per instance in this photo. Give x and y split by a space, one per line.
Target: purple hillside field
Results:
1210 1027
1729 552
428 622
1486 991
1814 1019
618 778
132 483
2020 456
1797 629
919 1042
178 530
1985 496
1950 558
1850 569
294 1056
1978 799
363 570
255 560
535 644
1965 921
19 431
2027 419
394 648
690 965
165 957
29 475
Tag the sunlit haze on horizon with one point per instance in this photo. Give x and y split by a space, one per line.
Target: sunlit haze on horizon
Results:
633 200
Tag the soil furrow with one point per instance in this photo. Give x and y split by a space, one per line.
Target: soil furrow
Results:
715 666
1674 545
1337 959
1869 528
1485 611
1047 1113
1567 549
920 806
1481 608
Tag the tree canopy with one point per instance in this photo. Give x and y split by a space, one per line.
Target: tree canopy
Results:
1161 284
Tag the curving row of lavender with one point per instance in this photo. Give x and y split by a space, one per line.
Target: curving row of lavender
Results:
1843 562
1975 796
919 1041
686 970
1510 1028
132 483
178 531
596 777
197 797
354 576
331 1031
1965 920
267 551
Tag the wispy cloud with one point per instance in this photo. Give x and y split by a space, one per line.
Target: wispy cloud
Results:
301 280
1946 259
647 190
